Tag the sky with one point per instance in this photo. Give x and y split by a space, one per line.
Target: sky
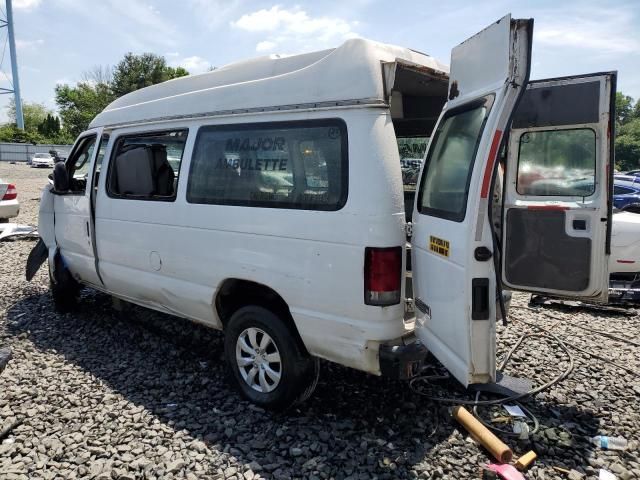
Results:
58 40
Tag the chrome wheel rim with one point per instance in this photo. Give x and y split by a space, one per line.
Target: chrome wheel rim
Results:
258 360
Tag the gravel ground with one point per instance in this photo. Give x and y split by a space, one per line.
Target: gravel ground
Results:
136 394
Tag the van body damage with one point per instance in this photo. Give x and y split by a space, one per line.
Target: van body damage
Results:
46 247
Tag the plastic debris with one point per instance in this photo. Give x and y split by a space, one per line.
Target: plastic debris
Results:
609 443
606 475
514 411
10 231
506 471
522 429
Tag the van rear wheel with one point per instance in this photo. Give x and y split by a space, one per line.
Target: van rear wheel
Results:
265 360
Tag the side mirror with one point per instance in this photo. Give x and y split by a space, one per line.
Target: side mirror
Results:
60 178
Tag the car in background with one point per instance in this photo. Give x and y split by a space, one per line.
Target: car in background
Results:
9 205
42 160
633 173
625 193
626 177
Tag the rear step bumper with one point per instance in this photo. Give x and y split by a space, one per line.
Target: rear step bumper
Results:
403 361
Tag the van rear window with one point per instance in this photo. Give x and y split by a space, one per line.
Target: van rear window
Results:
298 165
445 181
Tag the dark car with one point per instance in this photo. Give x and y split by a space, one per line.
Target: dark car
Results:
625 193
58 156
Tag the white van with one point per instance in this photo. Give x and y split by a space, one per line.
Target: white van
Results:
266 199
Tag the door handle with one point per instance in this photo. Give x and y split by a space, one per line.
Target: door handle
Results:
88 234
580 225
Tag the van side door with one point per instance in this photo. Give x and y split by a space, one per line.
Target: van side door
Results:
137 210
454 276
73 219
558 188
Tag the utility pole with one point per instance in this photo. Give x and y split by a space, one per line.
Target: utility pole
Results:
14 65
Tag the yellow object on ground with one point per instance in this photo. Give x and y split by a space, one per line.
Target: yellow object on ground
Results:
526 460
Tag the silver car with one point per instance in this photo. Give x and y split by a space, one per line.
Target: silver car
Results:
42 160
9 205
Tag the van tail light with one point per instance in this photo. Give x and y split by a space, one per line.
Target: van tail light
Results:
382 275
11 193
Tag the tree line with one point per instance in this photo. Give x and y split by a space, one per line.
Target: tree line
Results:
627 132
78 104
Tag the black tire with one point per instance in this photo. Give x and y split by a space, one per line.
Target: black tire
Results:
64 288
4 220
298 370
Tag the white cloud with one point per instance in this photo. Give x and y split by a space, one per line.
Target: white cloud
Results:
28 44
194 64
214 13
26 4
603 30
265 46
294 28
139 25
29 68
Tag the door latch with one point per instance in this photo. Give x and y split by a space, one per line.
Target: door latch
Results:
482 254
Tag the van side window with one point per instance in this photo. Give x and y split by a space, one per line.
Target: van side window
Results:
78 164
146 166
97 168
298 165
557 163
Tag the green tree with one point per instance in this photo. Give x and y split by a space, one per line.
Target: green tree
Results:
139 71
79 104
33 113
628 145
50 127
9 132
624 108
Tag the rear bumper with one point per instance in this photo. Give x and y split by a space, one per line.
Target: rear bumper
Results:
9 208
403 361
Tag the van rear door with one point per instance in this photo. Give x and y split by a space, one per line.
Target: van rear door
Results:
453 272
558 189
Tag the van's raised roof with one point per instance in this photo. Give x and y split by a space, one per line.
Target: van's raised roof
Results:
350 73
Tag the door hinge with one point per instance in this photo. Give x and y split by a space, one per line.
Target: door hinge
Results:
408 229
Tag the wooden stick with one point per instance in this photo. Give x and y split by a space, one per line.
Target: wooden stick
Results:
526 460
483 435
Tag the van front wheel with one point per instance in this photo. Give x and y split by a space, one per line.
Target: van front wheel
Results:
64 288
265 360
